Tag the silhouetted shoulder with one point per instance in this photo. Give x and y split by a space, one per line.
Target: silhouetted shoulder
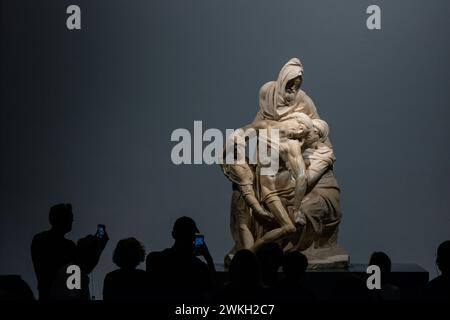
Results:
124 284
118 272
49 237
122 276
166 253
42 236
170 255
438 288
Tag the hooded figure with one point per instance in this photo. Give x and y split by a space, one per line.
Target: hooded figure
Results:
275 102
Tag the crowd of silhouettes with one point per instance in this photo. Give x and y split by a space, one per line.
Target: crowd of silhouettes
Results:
178 274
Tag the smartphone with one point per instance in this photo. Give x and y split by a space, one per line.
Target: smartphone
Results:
100 231
198 243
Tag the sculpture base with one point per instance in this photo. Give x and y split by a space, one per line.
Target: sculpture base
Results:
333 257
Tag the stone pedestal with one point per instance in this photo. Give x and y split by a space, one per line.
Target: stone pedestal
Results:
327 258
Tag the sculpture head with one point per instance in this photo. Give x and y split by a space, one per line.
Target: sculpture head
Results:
317 133
289 81
292 86
298 125
321 129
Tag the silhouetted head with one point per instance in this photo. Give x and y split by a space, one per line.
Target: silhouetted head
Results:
14 288
381 260
61 217
443 257
244 270
270 257
184 230
128 254
295 264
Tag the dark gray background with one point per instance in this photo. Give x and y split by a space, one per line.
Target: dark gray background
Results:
86 116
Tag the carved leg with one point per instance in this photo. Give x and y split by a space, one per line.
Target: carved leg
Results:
285 229
246 236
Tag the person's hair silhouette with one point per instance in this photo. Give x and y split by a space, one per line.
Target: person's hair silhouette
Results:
245 284
127 283
383 261
13 287
439 287
129 253
270 258
291 287
388 290
443 257
245 271
183 232
295 264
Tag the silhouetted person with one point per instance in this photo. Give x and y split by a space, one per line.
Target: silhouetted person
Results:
439 287
52 252
244 278
291 288
388 291
270 258
87 254
13 287
177 270
128 282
